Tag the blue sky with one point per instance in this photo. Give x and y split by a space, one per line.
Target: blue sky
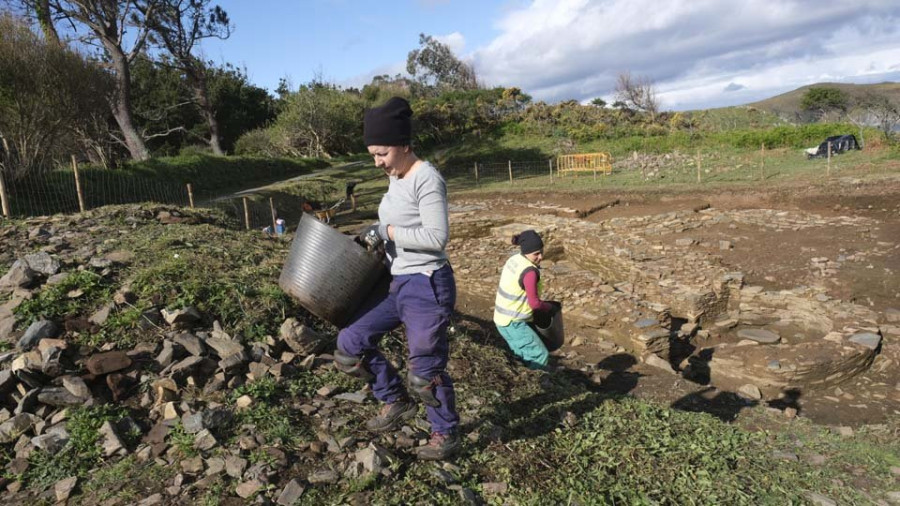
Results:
700 53
347 41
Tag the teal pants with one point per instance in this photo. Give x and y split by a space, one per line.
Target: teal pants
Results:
525 344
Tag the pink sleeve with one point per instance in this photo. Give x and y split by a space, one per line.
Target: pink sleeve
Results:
529 282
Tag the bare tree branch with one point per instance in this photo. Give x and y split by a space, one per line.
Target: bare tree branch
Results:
166 133
638 93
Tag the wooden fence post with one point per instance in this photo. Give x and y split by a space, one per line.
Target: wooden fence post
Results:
829 159
476 173
78 185
190 195
762 161
4 204
550 160
510 172
272 208
246 214
699 161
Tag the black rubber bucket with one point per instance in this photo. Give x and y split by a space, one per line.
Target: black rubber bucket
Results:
328 272
550 327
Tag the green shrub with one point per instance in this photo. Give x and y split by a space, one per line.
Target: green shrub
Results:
801 136
257 142
195 150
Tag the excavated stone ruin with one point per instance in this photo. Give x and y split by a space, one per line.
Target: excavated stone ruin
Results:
618 282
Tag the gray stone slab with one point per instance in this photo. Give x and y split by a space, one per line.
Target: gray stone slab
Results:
761 336
644 323
42 262
191 343
867 339
291 493
38 330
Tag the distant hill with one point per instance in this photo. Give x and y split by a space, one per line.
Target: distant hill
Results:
789 103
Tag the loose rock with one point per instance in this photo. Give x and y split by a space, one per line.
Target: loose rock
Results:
103 363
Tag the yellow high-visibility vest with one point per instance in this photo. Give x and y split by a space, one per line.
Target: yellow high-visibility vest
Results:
511 302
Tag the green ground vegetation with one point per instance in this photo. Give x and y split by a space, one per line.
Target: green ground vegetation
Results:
551 437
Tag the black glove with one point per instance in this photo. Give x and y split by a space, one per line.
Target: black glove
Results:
370 239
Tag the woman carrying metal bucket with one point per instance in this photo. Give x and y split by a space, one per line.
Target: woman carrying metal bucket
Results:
518 302
414 227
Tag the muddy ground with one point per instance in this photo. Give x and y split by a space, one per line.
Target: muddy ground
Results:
771 259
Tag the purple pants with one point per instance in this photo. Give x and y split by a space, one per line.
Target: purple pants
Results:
424 305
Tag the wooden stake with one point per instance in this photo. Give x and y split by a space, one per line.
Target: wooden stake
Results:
246 214
272 208
476 173
4 204
78 185
550 161
190 195
762 161
829 159
699 160
510 172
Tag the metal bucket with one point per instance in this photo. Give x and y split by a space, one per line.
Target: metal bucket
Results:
328 272
550 327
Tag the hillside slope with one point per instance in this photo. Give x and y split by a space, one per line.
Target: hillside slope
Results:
789 103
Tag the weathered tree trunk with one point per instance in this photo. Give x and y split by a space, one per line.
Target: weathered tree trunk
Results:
42 13
121 104
198 81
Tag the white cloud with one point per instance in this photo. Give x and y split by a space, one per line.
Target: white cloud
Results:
692 49
360 80
455 41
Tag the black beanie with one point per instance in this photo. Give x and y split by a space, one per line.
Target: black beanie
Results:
529 241
388 125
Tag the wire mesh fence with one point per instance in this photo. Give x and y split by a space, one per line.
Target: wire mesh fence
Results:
72 190
696 168
60 191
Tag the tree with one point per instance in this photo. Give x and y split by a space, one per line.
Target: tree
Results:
178 25
598 102
883 110
435 66
384 87
823 100
105 24
514 97
45 20
319 120
637 93
163 103
240 106
52 101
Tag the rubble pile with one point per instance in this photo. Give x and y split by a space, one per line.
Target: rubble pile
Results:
220 414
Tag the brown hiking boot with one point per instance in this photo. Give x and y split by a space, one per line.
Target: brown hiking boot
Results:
392 415
439 447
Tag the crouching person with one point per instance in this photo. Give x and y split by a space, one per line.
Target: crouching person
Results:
518 297
414 225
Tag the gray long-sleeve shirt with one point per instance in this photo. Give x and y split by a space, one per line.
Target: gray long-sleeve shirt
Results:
417 208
